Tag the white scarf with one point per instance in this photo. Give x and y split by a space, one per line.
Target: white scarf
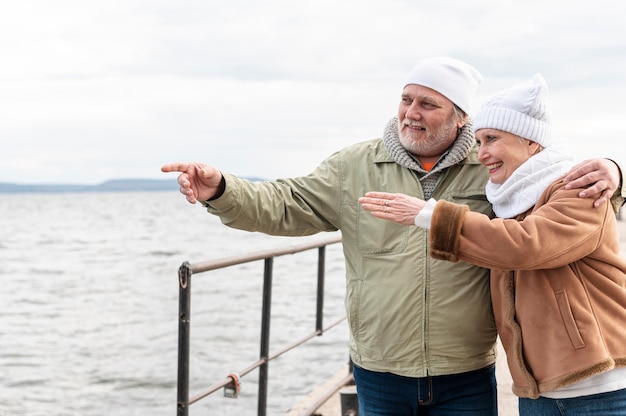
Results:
523 188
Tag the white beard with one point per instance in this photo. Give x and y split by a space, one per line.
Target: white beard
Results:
434 144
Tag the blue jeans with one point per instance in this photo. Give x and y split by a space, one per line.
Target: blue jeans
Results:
384 394
612 403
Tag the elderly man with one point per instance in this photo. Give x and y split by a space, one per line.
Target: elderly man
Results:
422 332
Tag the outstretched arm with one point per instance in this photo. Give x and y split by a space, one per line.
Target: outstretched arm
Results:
198 182
601 175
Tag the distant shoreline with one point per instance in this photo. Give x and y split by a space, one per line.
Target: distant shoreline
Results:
118 185
115 185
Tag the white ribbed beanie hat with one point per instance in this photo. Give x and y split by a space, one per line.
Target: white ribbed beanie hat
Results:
455 80
521 110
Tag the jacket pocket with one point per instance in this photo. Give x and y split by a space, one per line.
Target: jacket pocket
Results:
568 319
378 237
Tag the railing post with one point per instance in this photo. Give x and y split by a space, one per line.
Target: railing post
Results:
265 335
184 300
185 272
319 316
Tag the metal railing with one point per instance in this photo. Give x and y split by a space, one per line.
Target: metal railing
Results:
185 272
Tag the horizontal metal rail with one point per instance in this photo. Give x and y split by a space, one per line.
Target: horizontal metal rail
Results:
261 255
185 272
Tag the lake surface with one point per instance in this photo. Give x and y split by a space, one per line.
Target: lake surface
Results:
89 306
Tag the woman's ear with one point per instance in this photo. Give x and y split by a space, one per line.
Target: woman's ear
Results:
533 147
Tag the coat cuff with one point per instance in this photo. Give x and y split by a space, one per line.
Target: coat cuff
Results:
445 230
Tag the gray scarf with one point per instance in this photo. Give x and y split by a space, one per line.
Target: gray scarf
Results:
459 150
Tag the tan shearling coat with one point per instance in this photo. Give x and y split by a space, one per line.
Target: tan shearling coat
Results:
558 284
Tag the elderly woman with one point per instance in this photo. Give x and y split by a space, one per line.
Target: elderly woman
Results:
558 278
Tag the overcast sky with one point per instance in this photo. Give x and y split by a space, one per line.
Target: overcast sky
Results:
92 90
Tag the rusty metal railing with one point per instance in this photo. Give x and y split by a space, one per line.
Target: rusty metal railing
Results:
185 273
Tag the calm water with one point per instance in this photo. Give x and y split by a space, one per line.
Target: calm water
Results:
89 303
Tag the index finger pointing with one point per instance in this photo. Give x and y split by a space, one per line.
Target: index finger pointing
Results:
175 167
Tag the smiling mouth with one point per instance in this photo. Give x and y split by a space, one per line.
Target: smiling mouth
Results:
413 125
493 166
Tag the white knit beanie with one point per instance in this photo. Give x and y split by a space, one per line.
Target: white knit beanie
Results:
455 80
521 110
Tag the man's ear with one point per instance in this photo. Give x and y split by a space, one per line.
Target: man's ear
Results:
461 121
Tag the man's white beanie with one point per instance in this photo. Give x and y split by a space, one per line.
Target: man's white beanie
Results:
521 110
455 80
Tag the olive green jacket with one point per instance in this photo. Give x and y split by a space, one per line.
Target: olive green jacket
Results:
408 314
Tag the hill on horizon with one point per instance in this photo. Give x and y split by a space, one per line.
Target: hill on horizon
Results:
114 185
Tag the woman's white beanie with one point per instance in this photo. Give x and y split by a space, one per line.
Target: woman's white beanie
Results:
521 110
454 79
